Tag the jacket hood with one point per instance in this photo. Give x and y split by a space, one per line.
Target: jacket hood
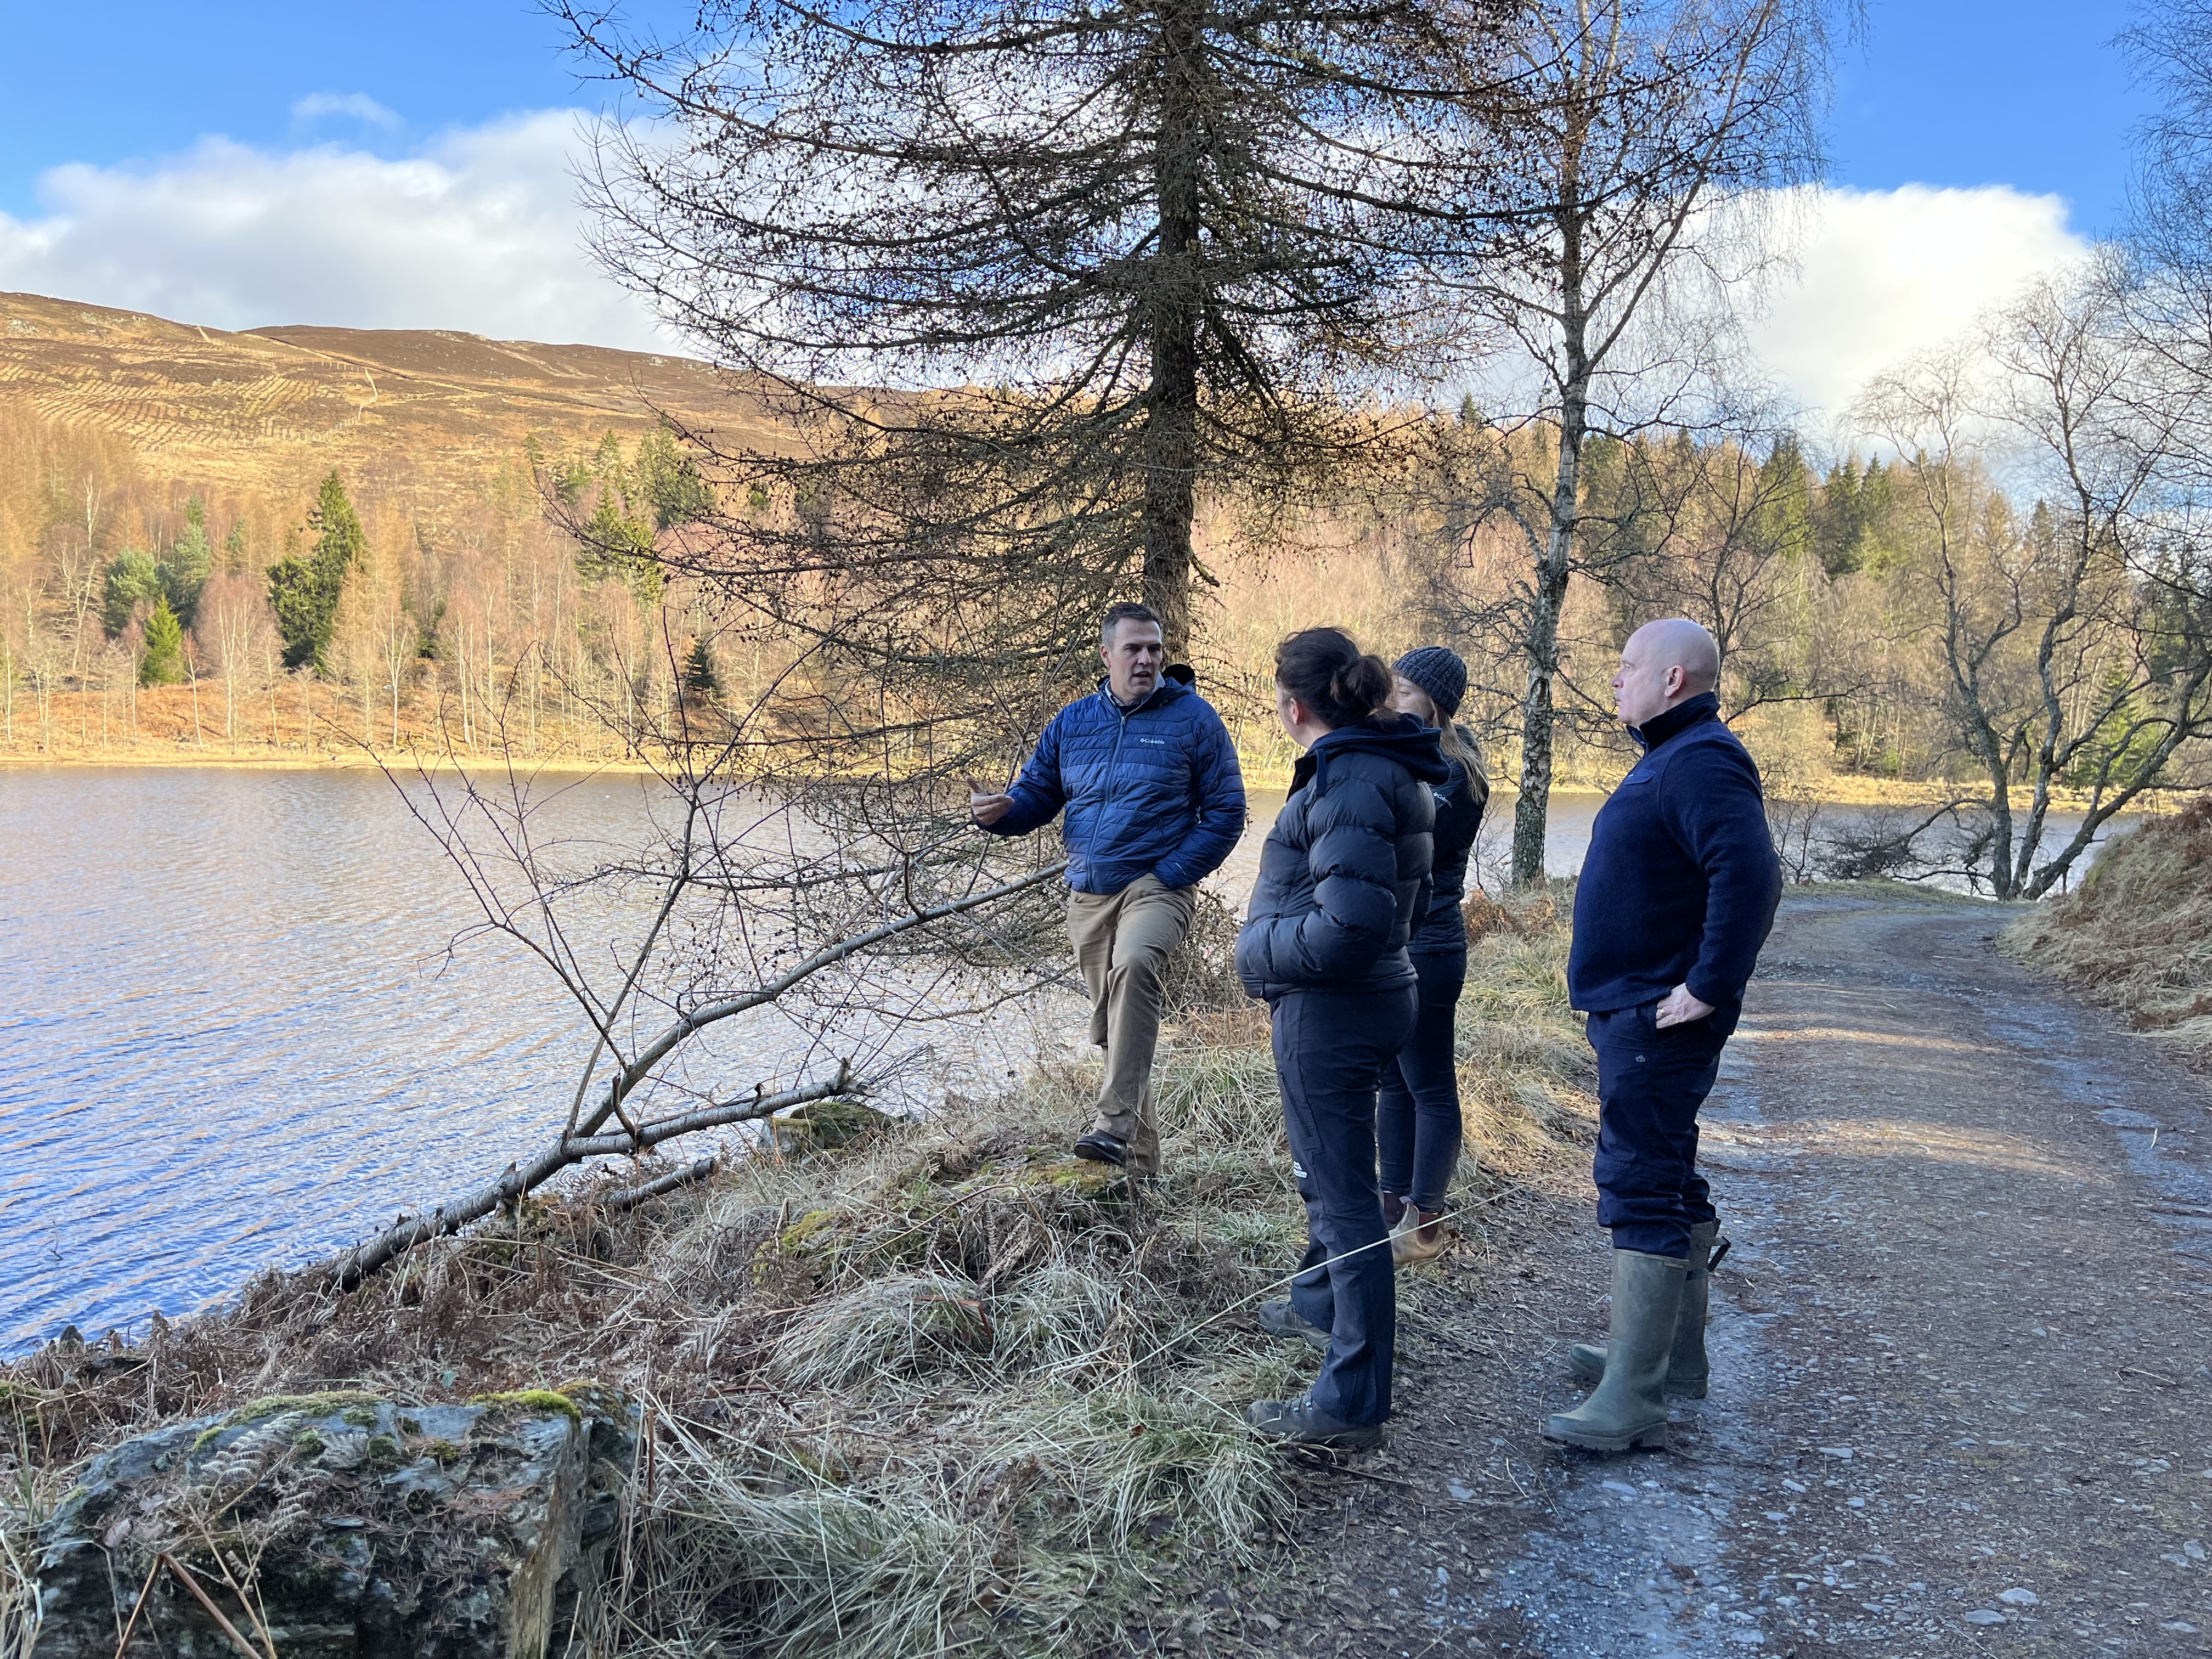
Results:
1399 737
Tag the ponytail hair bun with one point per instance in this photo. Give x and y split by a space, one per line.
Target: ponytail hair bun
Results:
1324 669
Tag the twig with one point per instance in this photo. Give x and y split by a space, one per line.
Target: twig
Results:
1326 1466
184 1577
138 1606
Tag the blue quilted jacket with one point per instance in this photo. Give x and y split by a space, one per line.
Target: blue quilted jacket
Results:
1153 790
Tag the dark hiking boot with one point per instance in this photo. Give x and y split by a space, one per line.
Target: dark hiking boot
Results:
1301 1422
1629 1406
1281 1319
1100 1148
1689 1373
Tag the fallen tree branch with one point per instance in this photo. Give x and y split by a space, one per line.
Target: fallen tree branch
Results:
584 1140
346 1271
630 1197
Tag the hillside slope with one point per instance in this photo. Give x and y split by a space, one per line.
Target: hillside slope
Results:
407 413
2137 936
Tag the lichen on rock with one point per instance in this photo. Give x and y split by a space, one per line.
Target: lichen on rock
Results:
359 1525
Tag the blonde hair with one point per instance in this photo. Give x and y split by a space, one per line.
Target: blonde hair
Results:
1458 742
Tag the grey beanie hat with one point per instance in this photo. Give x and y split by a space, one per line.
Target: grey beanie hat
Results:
1439 673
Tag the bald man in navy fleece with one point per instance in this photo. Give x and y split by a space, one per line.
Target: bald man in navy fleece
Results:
1677 894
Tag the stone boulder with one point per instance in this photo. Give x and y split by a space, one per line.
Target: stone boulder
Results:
357 1526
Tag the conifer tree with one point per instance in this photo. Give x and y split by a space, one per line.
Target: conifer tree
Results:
617 546
132 579
699 680
670 481
305 591
1137 254
190 563
164 661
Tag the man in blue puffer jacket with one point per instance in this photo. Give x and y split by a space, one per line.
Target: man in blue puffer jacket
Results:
1155 801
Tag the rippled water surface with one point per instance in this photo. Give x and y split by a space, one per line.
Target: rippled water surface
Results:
229 1038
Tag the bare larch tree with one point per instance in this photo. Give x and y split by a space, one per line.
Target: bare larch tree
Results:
1018 283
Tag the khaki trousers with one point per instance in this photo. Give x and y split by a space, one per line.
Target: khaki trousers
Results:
1122 941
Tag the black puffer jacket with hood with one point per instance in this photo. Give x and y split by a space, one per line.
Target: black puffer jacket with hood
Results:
1344 877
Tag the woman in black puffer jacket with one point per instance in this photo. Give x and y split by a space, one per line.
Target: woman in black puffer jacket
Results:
1344 882
1417 1124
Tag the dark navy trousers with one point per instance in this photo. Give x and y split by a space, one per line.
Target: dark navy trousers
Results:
1331 1048
1651 1084
1416 1126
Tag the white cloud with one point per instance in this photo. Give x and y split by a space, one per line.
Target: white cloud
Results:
480 231
358 105
1885 274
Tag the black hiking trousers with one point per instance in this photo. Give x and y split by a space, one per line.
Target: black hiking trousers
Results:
1330 1050
1416 1126
1651 1084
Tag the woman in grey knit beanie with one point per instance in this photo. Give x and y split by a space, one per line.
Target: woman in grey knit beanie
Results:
1417 1122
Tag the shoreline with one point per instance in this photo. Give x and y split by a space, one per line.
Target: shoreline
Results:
377 761
1836 790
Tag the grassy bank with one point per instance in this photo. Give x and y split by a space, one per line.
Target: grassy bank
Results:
944 1389
2137 935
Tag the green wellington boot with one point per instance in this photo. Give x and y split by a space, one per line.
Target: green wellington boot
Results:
1629 1407
1688 1372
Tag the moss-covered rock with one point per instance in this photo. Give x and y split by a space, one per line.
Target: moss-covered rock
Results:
529 1399
826 1124
481 1529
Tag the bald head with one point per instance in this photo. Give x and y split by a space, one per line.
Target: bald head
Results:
1664 662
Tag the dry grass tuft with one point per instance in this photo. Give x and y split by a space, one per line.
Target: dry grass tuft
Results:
947 1389
2137 934
1527 1079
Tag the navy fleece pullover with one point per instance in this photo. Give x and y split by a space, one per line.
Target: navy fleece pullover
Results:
1680 881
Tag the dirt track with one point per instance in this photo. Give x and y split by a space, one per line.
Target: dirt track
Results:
1962 1403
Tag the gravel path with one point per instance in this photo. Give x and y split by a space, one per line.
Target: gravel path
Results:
1962 1403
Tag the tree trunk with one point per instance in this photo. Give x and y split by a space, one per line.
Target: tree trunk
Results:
1532 808
1168 453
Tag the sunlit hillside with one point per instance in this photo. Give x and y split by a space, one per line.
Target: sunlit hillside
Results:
406 416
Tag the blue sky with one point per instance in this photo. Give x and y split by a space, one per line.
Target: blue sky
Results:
1973 92
409 163
1940 92
148 79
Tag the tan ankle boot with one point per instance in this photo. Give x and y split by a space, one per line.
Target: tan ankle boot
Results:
1420 1237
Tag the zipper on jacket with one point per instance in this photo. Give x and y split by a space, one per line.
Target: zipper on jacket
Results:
1114 760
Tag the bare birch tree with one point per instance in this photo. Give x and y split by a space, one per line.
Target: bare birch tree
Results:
743 911
237 633
1638 153
2075 638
